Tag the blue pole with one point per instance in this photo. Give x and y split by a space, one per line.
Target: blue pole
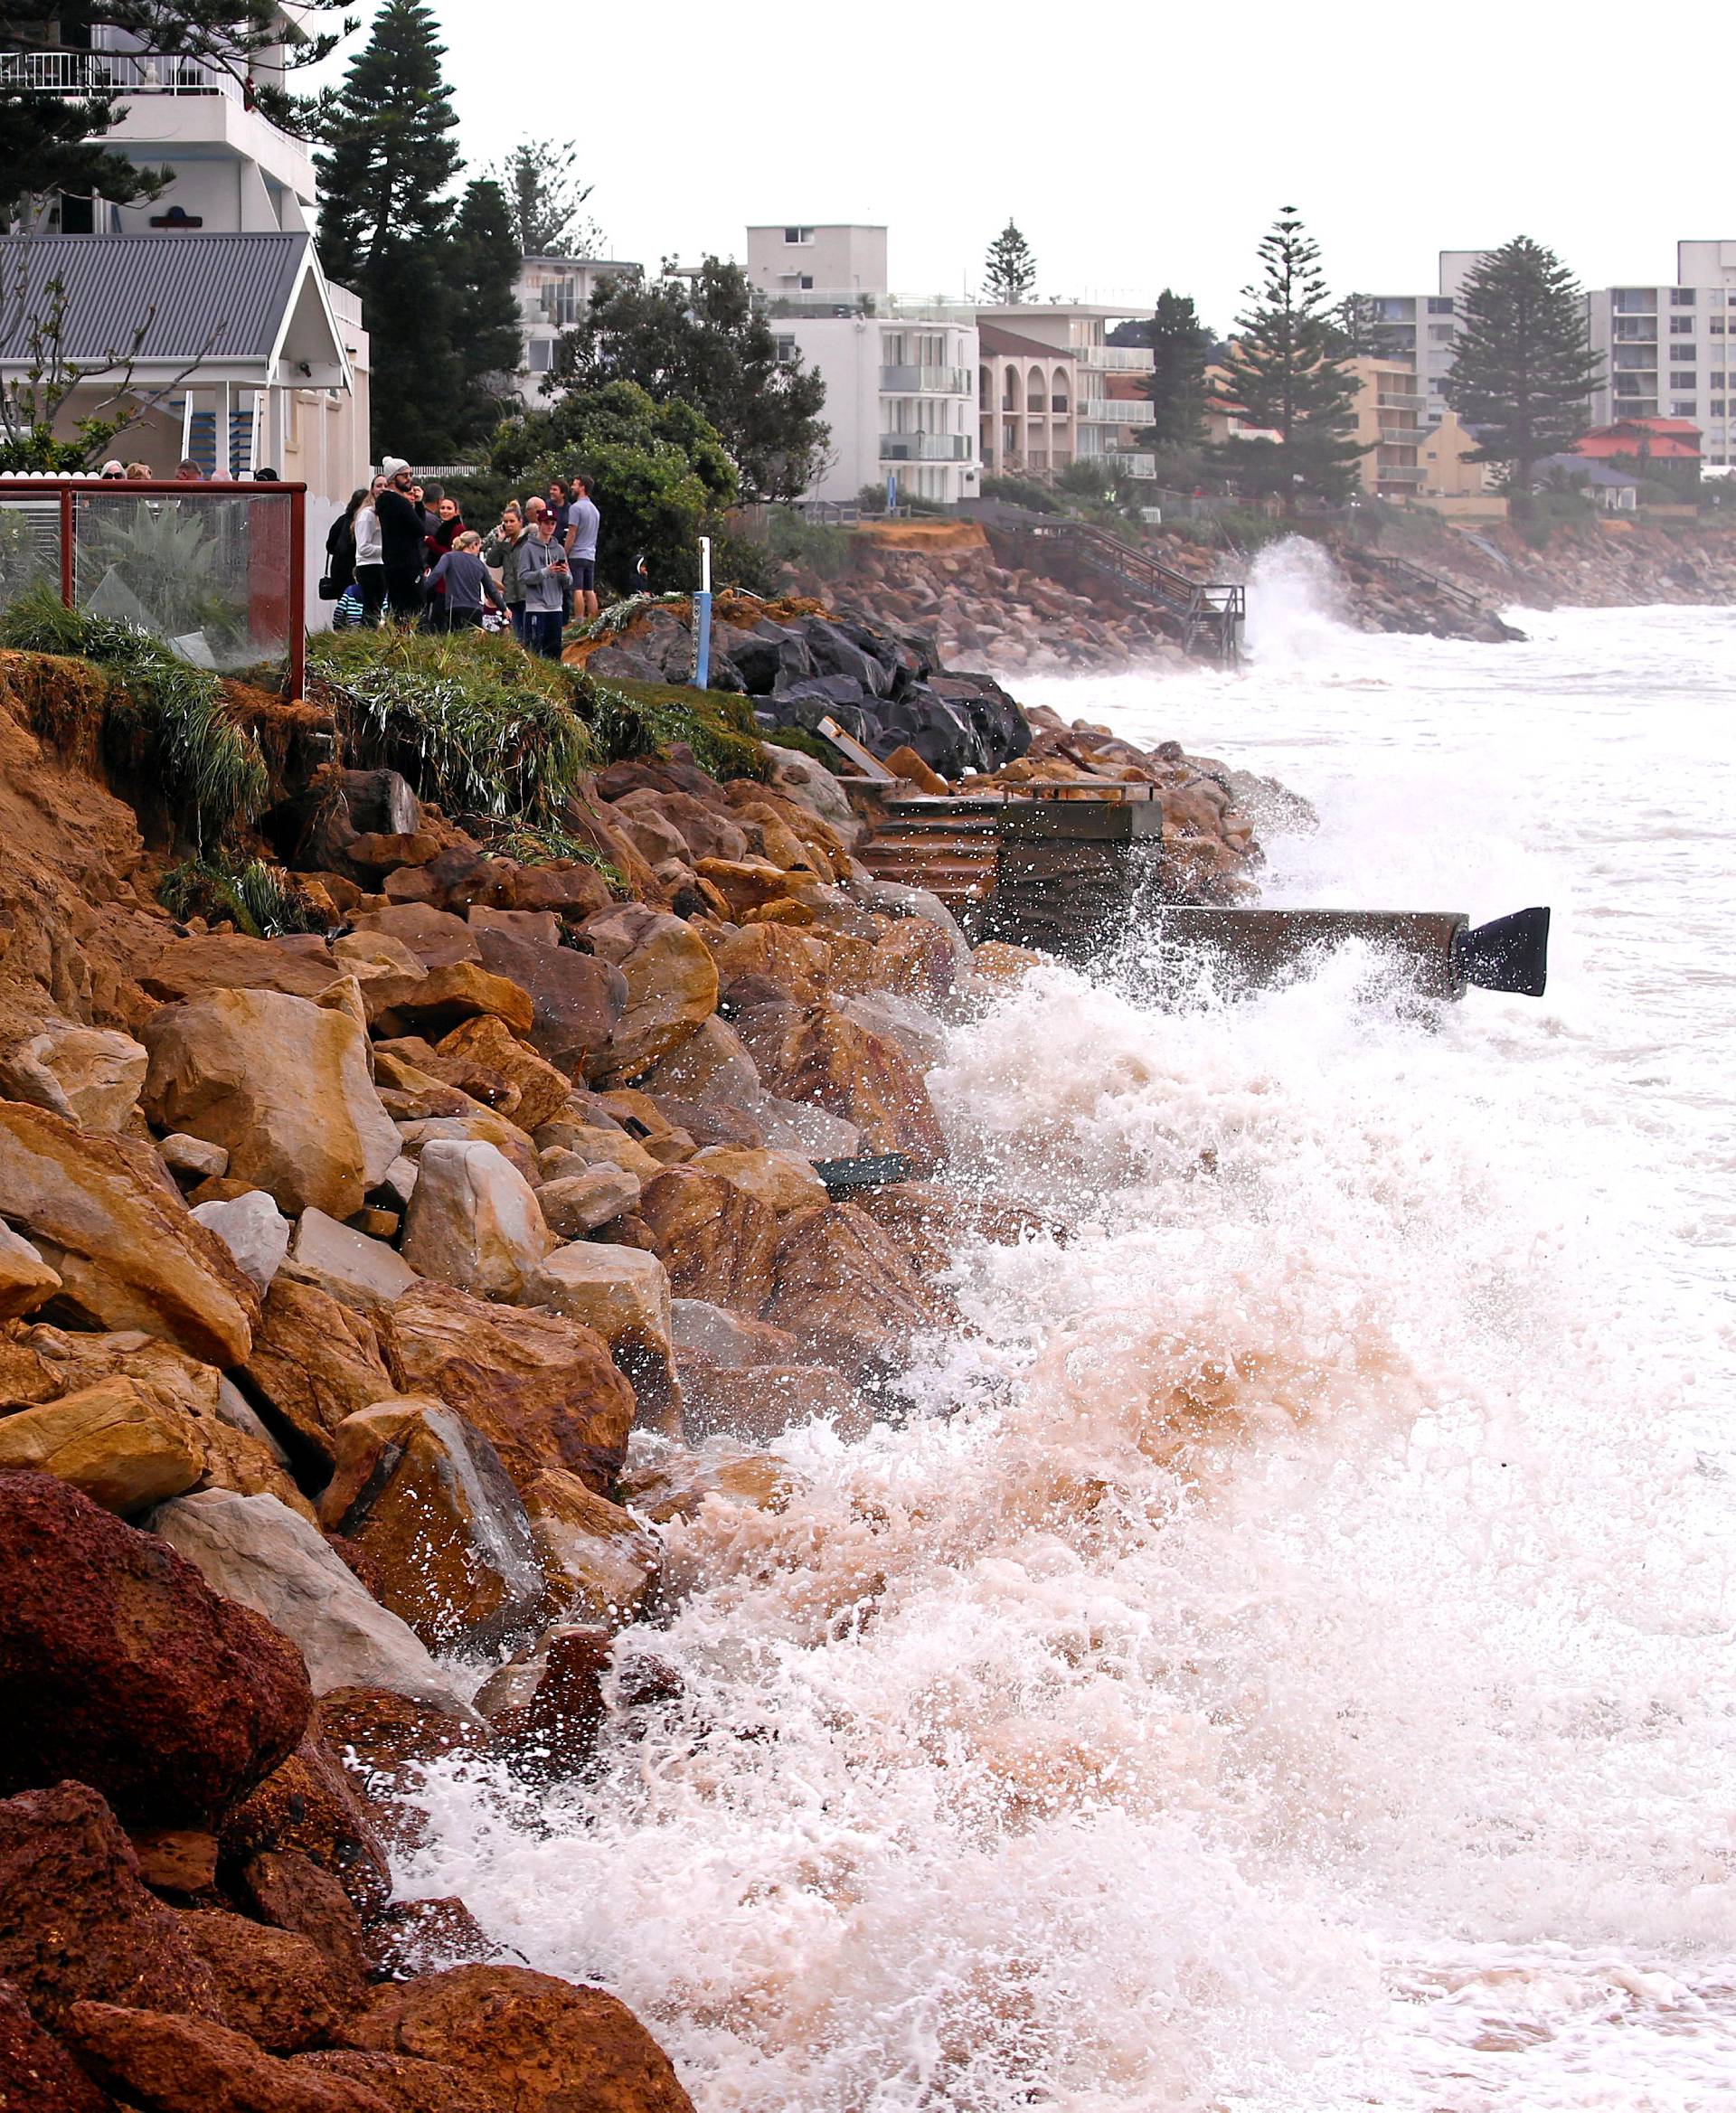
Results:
702 619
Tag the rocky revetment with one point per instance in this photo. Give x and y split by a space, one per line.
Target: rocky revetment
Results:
413 1097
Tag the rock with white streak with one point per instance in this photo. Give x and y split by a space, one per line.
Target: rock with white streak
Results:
256 1549
347 1265
253 1229
26 1281
474 1221
193 1158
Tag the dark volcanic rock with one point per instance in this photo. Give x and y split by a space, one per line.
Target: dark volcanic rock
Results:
76 1922
308 1806
37 2075
542 2045
118 1665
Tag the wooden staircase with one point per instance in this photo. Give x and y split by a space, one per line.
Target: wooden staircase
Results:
1200 614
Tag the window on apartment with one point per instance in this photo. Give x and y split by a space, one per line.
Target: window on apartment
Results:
1439 305
1681 325
541 354
1717 410
1681 296
1440 333
1682 408
1717 377
1684 355
1686 380
795 235
786 352
805 283
1715 327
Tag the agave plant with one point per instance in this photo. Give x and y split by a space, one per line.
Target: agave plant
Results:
169 561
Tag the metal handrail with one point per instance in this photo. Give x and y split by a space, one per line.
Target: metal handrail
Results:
1214 609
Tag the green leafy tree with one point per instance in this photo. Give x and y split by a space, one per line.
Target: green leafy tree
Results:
51 143
703 342
659 473
1523 365
1180 344
1009 270
1286 370
547 199
433 276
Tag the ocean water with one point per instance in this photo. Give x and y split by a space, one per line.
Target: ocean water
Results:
1284 1658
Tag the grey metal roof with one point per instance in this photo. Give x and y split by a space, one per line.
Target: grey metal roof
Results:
216 297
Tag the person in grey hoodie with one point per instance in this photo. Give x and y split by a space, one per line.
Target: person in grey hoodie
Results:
464 582
543 575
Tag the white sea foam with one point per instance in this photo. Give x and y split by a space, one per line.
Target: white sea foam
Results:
1285 1661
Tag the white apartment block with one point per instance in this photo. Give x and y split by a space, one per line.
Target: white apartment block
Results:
553 292
901 375
1423 329
1670 351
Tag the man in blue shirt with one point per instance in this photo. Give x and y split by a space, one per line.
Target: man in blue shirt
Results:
582 523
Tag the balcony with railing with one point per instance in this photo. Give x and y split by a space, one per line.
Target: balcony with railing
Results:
925 382
88 73
1400 399
925 447
1111 410
1126 462
1116 358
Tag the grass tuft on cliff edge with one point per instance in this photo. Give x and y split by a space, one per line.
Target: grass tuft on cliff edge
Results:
161 719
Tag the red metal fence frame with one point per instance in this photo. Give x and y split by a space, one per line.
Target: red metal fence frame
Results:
66 489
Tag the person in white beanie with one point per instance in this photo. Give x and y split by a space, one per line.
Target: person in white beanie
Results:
402 546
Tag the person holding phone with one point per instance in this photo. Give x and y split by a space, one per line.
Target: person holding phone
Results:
543 575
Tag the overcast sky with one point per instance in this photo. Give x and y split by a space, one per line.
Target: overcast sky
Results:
1136 145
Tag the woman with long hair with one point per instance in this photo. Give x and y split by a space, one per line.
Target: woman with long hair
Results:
370 554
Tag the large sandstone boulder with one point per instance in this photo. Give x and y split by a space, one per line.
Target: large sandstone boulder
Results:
192 1408
671 983
540 1090
435 937
76 1922
256 1552
785 1180
118 1665
283 1085
715 1239
543 1388
347 1265
820 1055
26 1281
192 2065
541 2045
407 2085
600 1561
314 1361
576 999
298 964
424 1497
114 1441
623 1293
844 1290
435 1003
98 1070
711 1333
473 1222
123 1245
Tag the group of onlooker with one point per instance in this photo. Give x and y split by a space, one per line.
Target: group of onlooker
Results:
402 547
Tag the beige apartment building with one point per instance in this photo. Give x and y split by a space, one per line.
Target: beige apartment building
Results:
1104 411
1389 422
